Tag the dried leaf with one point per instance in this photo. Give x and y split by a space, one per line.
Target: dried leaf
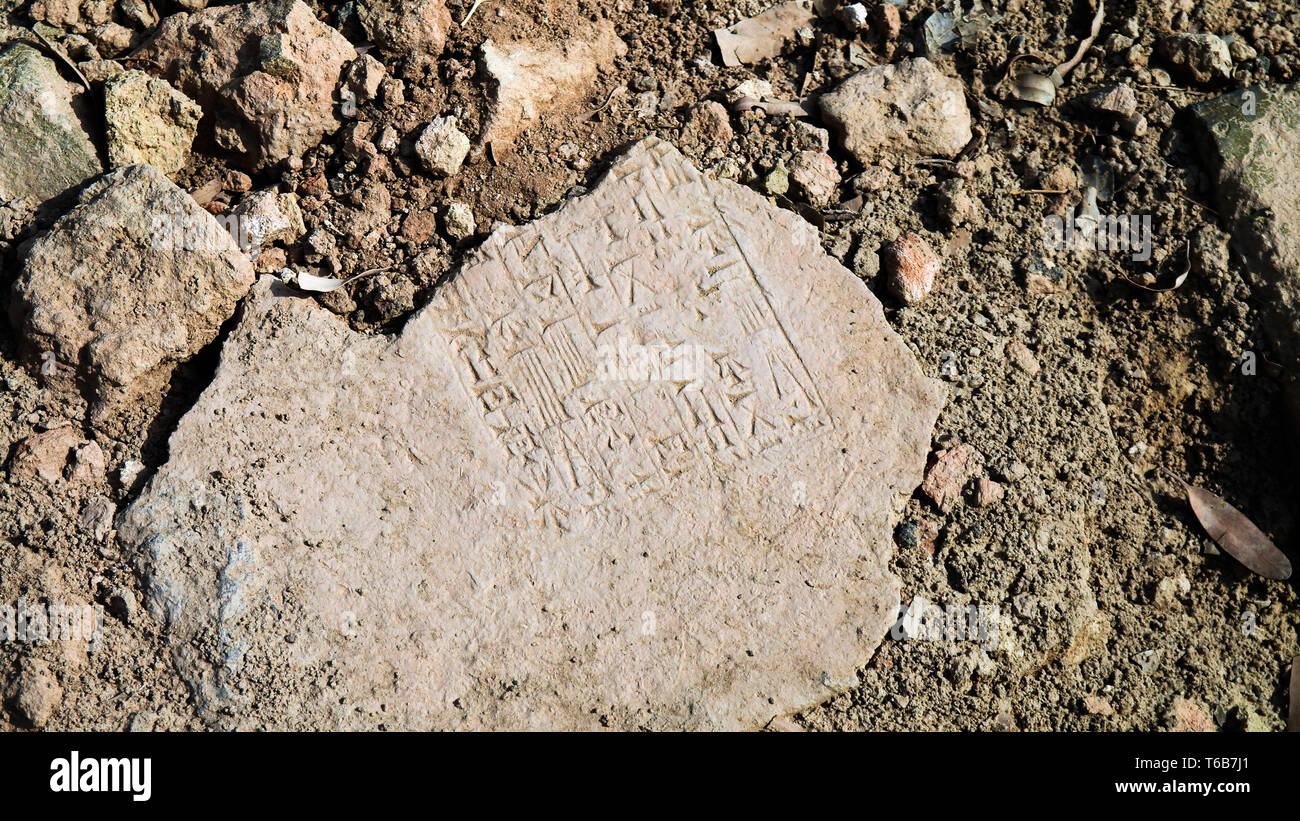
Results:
319 285
773 107
1236 534
762 37
208 192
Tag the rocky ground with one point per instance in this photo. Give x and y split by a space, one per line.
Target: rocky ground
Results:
393 139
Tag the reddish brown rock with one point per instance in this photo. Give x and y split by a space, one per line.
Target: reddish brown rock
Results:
815 177
58 454
912 266
947 474
1187 716
407 28
265 72
988 492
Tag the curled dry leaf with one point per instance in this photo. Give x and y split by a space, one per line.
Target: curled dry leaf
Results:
762 37
318 285
1178 282
1236 534
1040 88
770 106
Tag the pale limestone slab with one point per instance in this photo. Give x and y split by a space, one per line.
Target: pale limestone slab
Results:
494 520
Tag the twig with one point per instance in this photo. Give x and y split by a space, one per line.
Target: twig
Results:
62 58
1039 191
472 9
1201 204
1084 44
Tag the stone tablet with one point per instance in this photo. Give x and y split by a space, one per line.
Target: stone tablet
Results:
635 466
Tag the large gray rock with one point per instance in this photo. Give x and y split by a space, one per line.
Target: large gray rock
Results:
1252 138
266 71
46 149
130 282
901 108
635 466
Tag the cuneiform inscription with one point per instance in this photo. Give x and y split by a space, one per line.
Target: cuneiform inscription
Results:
528 331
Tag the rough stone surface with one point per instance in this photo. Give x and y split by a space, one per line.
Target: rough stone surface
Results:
268 71
41 123
148 122
1118 101
532 79
901 108
271 217
459 221
364 76
816 177
407 27
442 147
1253 138
36 693
1204 58
115 292
949 469
635 466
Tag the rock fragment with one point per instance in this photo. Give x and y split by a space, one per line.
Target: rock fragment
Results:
407 28
906 108
618 426
47 149
816 177
949 469
130 282
364 76
988 492
442 147
1204 58
267 71
148 122
533 78
35 693
58 454
1117 101
1188 716
1097 706
912 267
708 129
459 222
267 216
